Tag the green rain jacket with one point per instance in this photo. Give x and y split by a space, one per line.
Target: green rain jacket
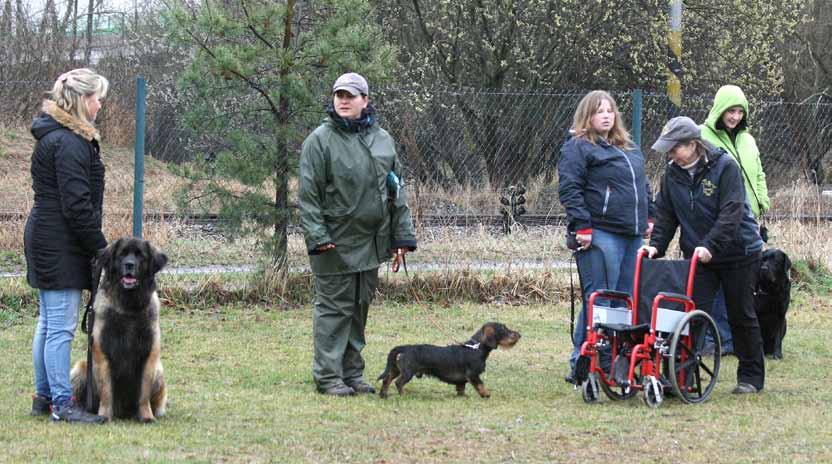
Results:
345 199
743 148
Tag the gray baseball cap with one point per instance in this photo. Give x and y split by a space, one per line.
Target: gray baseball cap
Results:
353 83
677 130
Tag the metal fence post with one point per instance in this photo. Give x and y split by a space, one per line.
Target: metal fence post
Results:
637 102
138 182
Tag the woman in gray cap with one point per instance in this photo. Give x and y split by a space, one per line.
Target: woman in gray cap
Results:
702 194
352 224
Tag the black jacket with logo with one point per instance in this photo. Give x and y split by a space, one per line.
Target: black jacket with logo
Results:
602 186
710 208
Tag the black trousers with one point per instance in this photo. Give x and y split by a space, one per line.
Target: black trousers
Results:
739 281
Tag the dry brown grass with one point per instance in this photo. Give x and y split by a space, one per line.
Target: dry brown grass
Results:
441 246
16 190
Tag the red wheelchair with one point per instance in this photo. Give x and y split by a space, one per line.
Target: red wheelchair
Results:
655 342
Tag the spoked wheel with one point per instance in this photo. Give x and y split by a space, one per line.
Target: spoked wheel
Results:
621 368
692 372
652 391
618 393
589 389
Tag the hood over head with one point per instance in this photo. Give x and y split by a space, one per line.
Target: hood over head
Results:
726 97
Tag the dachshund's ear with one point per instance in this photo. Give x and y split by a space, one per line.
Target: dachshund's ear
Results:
487 336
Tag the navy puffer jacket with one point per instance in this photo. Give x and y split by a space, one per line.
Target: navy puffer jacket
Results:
602 186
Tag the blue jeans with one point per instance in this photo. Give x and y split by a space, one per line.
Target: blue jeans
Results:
52 344
609 264
719 311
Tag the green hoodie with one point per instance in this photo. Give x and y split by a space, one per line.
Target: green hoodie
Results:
743 148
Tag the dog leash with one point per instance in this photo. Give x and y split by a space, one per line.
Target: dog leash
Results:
87 323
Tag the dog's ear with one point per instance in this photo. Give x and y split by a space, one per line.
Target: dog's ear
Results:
487 336
104 260
787 266
160 260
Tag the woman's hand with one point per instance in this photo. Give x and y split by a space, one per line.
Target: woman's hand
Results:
650 250
649 231
703 254
584 240
326 247
398 258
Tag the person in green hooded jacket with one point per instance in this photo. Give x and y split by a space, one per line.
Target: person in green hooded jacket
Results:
354 214
726 127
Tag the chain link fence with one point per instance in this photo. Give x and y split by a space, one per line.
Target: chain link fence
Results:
462 148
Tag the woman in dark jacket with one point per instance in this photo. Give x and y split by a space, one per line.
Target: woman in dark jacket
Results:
63 232
702 194
603 187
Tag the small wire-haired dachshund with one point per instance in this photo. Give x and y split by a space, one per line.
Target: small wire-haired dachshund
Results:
453 364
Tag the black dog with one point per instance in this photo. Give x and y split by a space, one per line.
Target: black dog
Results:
129 380
772 300
454 364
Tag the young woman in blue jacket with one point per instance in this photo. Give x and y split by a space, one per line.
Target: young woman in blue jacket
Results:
604 189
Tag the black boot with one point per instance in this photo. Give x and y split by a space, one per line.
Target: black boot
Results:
41 405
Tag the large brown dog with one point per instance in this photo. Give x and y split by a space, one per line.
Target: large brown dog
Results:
127 369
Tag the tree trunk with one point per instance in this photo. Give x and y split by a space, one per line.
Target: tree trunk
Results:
88 48
281 165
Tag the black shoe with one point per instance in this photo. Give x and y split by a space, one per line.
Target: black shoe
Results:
362 387
337 390
41 406
743 388
75 413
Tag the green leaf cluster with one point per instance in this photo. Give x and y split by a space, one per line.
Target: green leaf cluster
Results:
257 83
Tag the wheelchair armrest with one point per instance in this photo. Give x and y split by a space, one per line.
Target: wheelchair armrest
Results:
677 296
613 293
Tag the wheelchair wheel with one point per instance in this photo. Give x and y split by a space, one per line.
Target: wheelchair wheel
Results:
617 392
589 389
652 389
693 373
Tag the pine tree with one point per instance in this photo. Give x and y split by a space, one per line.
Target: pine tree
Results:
257 84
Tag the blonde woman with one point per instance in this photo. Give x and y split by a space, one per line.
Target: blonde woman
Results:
604 189
63 232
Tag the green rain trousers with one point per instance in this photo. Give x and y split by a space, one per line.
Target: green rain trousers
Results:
340 315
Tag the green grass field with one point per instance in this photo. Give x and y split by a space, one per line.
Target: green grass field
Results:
240 390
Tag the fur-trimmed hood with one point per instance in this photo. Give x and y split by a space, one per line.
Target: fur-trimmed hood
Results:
54 118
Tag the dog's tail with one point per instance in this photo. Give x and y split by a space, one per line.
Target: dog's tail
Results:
78 378
391 362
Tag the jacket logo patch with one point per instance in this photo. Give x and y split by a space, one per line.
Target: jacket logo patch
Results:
708 187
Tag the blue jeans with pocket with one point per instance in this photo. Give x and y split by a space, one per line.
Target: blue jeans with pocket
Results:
610 263
52 343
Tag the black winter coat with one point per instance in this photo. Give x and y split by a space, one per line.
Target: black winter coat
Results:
63 232
602 186
711 209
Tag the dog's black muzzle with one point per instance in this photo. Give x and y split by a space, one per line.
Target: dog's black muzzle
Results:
129 268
